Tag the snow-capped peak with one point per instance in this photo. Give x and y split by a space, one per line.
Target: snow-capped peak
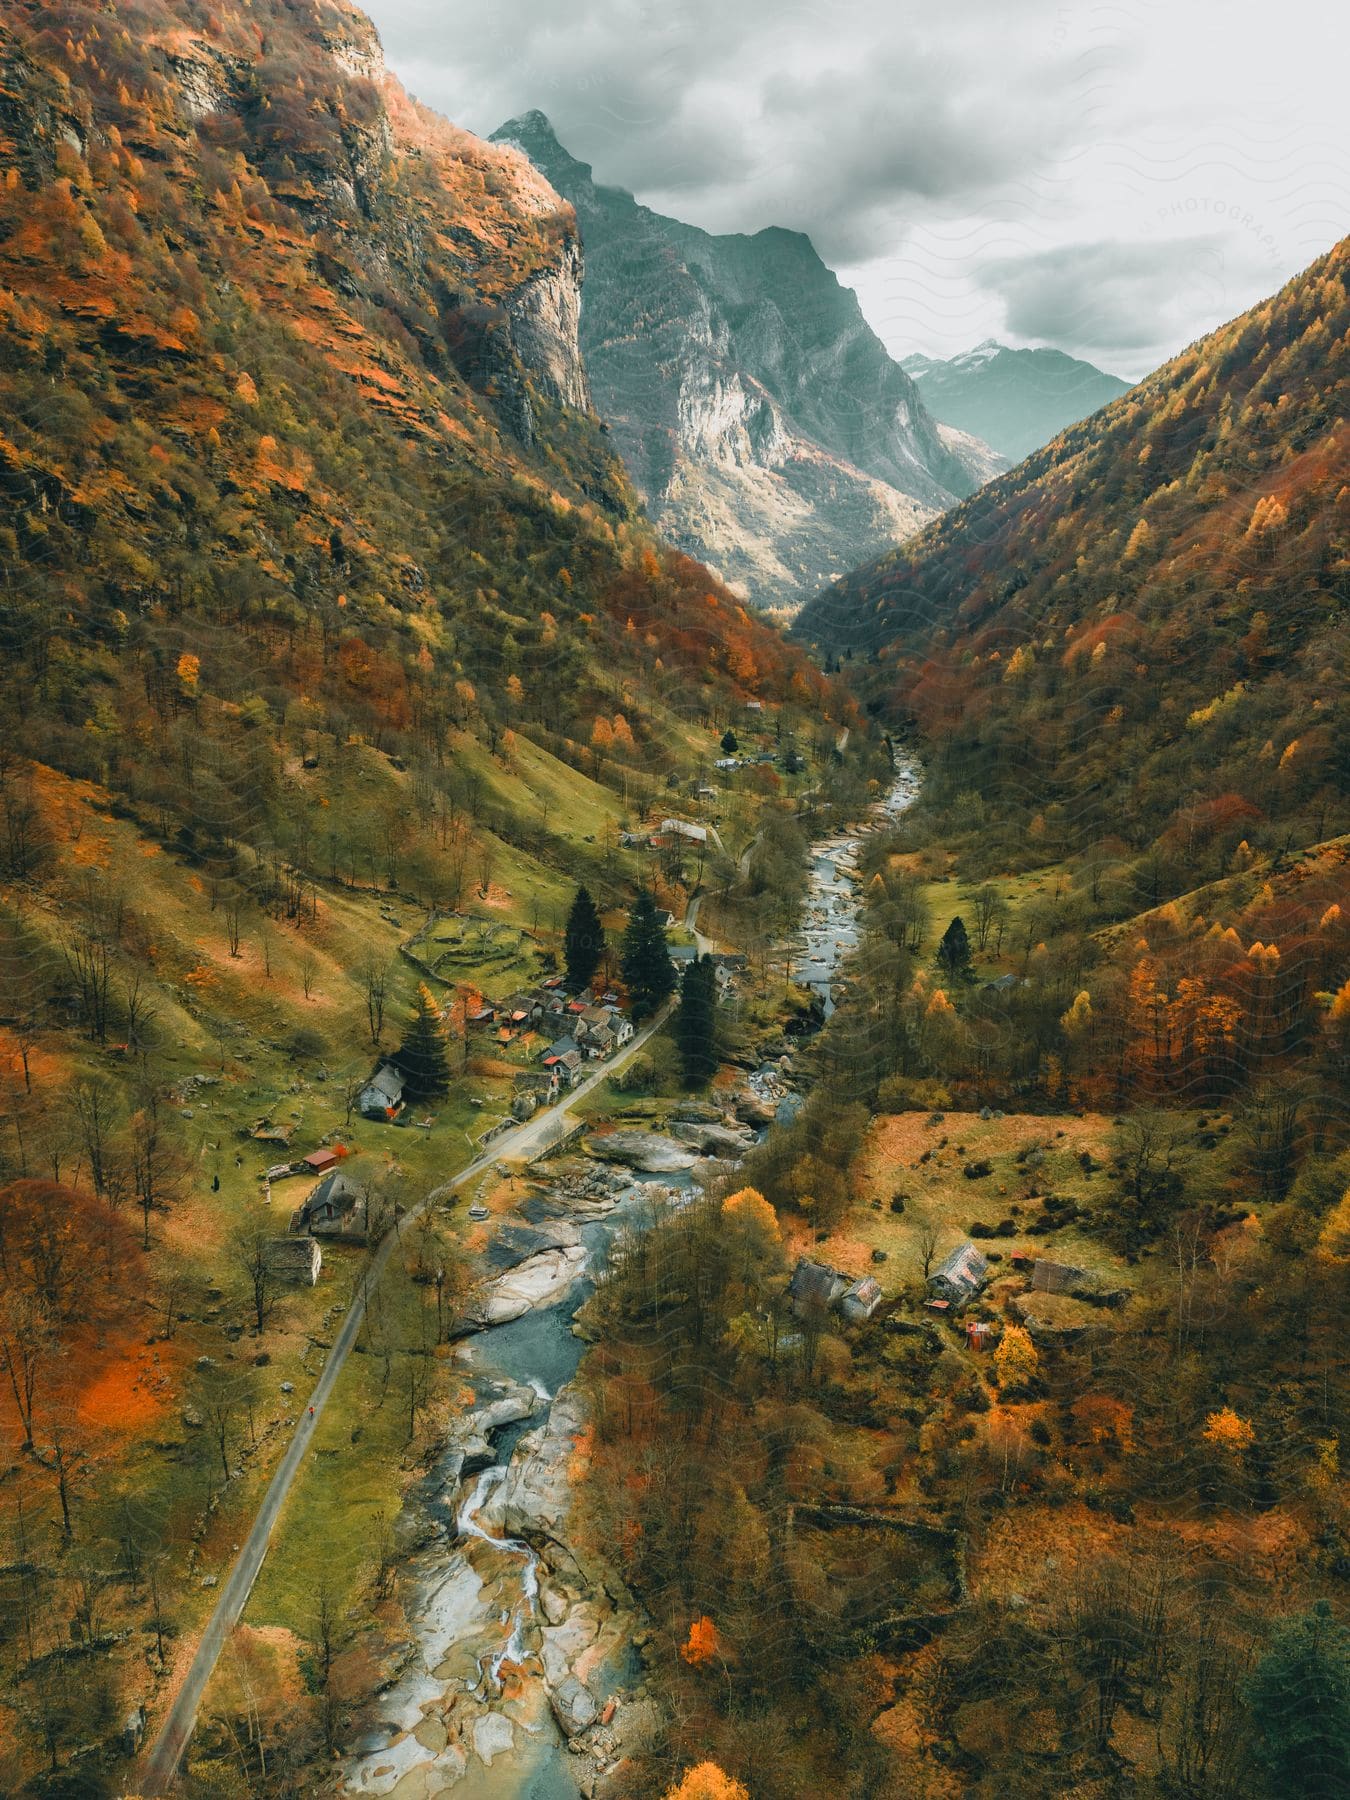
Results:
980 354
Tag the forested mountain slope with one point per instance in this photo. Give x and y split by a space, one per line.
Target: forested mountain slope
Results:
1092 1050
289 361
323 603
1139 632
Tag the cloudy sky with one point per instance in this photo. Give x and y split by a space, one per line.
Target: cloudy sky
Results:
1113 179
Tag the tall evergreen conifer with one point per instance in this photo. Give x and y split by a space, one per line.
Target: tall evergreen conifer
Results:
584 943
696 1022
954 950
648 973
422 1056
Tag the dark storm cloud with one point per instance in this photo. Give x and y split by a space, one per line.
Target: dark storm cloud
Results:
1110 179
832 120
1114 298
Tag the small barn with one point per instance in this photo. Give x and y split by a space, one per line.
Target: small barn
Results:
1049 1277
319 1160
960 1276
296 1260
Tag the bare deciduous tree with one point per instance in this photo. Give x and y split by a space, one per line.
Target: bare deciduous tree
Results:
373 979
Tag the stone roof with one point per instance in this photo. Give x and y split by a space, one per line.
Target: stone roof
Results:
815 1284
965 1270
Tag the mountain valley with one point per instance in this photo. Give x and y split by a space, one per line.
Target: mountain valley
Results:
673 1051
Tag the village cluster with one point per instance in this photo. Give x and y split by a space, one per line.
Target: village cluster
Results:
565 1037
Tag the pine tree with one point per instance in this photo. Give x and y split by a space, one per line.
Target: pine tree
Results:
1300 1702
696 1022
648 972
584 943
422 1055
730 743
954 950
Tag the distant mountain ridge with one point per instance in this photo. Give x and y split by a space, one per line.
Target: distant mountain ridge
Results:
766 425
1015 400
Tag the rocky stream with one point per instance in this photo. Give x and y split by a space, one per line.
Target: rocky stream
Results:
520 1674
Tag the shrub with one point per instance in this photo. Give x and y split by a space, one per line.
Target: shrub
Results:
305 1044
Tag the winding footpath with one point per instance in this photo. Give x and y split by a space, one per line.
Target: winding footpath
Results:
526 1141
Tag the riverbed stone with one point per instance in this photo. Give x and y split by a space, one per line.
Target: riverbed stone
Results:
540 1281
493 1735
696 1112
574 1705
431 1735
553 1603
645 1150
714 1140
532 1502
751 1109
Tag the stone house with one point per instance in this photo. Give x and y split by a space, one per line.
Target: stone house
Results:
294 1259
382 1096
337 1208
817 1287
960 1276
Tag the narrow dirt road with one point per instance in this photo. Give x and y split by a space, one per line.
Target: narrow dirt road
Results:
527 1140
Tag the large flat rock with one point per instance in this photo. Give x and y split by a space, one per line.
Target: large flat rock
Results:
645 1150
533 1501
714 1140
539 1281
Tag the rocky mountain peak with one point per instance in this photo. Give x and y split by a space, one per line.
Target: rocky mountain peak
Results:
763 420
533 133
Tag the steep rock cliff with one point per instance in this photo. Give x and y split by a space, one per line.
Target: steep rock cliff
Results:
460 242
758 413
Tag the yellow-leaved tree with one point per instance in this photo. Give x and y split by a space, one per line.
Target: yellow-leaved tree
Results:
747 1205
707 1782
1015 1358
1227 1431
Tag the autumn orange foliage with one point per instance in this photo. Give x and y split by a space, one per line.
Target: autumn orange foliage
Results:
1227 1431
707 1782
702 1643
747 1205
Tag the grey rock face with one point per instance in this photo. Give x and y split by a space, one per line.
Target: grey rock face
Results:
645 1150
545 325
715 1140
764 422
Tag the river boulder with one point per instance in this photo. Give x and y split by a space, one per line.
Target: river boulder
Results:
574 1705
537 1282
645 1150
532 1502
715 1140
753 1110
696 1112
